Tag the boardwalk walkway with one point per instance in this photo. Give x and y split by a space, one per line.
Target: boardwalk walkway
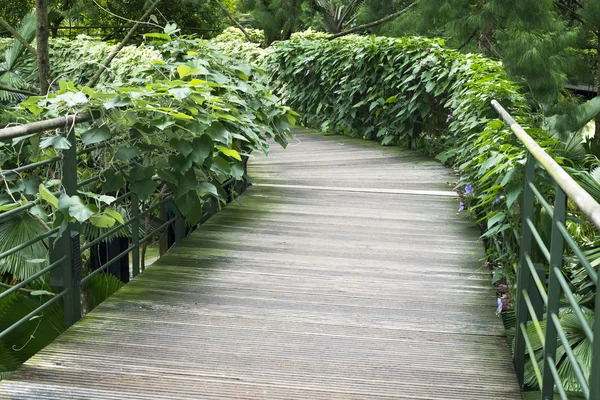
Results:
345 274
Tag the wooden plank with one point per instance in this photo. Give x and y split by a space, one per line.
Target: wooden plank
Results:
304 288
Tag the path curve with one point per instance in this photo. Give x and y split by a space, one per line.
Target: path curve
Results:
343 274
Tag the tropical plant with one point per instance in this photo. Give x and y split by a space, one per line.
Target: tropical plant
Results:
337 17
176 118
14 72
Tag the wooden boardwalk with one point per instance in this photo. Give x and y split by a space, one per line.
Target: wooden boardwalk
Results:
345 274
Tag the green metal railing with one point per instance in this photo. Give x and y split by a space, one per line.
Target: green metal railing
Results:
65 263
541 286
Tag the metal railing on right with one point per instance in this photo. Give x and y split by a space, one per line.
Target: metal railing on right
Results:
541 283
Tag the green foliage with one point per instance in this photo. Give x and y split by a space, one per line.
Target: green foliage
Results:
235 34
177 119
378 88
15 71
395 90
201 17
277 18
234 44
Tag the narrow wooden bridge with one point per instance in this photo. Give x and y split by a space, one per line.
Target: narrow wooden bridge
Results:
343 274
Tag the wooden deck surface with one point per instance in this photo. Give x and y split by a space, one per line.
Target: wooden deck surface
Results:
345 274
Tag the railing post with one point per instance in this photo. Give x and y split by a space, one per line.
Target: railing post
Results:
68 243
135 234
180 225
69 275
557 243
524 275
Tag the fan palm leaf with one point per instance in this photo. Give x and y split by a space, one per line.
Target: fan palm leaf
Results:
26 262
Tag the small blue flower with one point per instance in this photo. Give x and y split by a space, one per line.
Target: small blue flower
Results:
498 199
449 118
469 189
499 308
461 206
307 72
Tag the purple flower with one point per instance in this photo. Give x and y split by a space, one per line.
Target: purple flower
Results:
461 206
449 118
498 199
499 308
307 72
469 189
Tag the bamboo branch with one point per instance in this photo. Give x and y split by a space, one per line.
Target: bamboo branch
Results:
41 126
20 91
20 38
94 81
374 23
235 22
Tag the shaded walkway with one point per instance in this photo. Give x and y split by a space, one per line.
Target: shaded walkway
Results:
345 274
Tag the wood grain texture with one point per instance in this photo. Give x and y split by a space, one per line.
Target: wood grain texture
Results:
302 291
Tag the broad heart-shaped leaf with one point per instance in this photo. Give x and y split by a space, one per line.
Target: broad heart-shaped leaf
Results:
202 148
183 71
221 165
57 142
102 221
180 93
113 181
76 208
49 197
117 101
96 135
186 183
127 153
170 28
114 214
190 207
183 146
219 133
167 176
180 163
142 173
237 171
143 188
208 188
163 122
230 152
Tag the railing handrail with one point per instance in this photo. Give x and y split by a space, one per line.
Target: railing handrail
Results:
582 199
17 131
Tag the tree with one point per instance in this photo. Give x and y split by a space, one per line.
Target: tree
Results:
278 18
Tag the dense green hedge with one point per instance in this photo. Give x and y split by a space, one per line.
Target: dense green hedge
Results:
398 89
385 88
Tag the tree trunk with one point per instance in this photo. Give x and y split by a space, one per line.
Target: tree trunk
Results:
42 34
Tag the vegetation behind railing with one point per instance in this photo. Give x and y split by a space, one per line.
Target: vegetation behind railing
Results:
544 283
415 91
83 193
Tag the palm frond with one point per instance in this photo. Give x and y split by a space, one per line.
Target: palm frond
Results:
27 31
29 260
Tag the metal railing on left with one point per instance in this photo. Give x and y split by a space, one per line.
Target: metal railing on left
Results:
543 288
65 246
